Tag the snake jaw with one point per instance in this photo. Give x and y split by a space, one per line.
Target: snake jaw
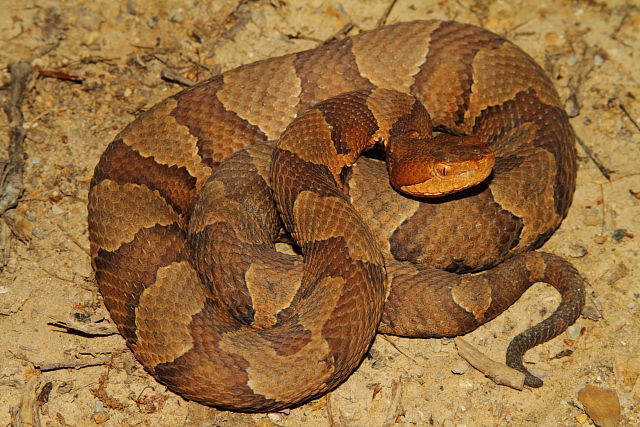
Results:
439 166
453 177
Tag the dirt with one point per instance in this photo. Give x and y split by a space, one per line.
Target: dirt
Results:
119 50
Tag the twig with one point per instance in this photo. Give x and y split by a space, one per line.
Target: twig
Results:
332 422
614 34
91 329
383 19
497 372
11 179
626 113
5 243
394 345
74 240
27 414
174 77
60 75
70 364
394 410
606 172
340 34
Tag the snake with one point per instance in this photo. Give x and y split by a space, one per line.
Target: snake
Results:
252 233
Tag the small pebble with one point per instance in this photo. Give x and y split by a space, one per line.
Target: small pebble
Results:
460 367
602 405
572 107
436 346
131 7
466 384
100 417
627 372
619 234
465 405
176 16
152 21
23 228
574 332
576 251
274 417
591 219
582 418
89 19
591 312
600 239
598 60
55 196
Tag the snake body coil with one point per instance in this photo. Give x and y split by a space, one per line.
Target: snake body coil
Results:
188 269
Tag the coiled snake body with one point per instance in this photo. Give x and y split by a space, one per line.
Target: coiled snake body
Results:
221 317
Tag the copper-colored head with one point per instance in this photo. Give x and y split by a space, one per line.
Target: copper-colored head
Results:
438 166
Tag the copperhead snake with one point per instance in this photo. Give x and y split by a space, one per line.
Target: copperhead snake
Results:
183 233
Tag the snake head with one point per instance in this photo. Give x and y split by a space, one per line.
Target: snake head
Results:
437 166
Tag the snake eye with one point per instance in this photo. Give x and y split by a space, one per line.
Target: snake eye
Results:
442 169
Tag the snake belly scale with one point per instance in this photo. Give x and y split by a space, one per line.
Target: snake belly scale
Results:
188 269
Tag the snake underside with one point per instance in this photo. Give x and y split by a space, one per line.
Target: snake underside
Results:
183 233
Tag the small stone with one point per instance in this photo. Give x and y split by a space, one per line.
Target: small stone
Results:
614 273
466 384
89 19
465 405
100 417
600 239
627 372
55 196
591 312
56 210
576 251
152 21
582 418
23 228
602 405
92 37
598 60
131 7
618 234
176 16
572 60
571 106
591 219
274 417
436 345
460 367
574 332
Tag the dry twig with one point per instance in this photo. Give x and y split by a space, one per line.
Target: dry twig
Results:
383 19
497 372
12 170
174 77
605 171
91 329
70 364
27 414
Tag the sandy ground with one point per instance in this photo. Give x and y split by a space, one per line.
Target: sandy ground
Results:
119 50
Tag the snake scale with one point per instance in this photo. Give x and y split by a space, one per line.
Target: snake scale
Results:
183 221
